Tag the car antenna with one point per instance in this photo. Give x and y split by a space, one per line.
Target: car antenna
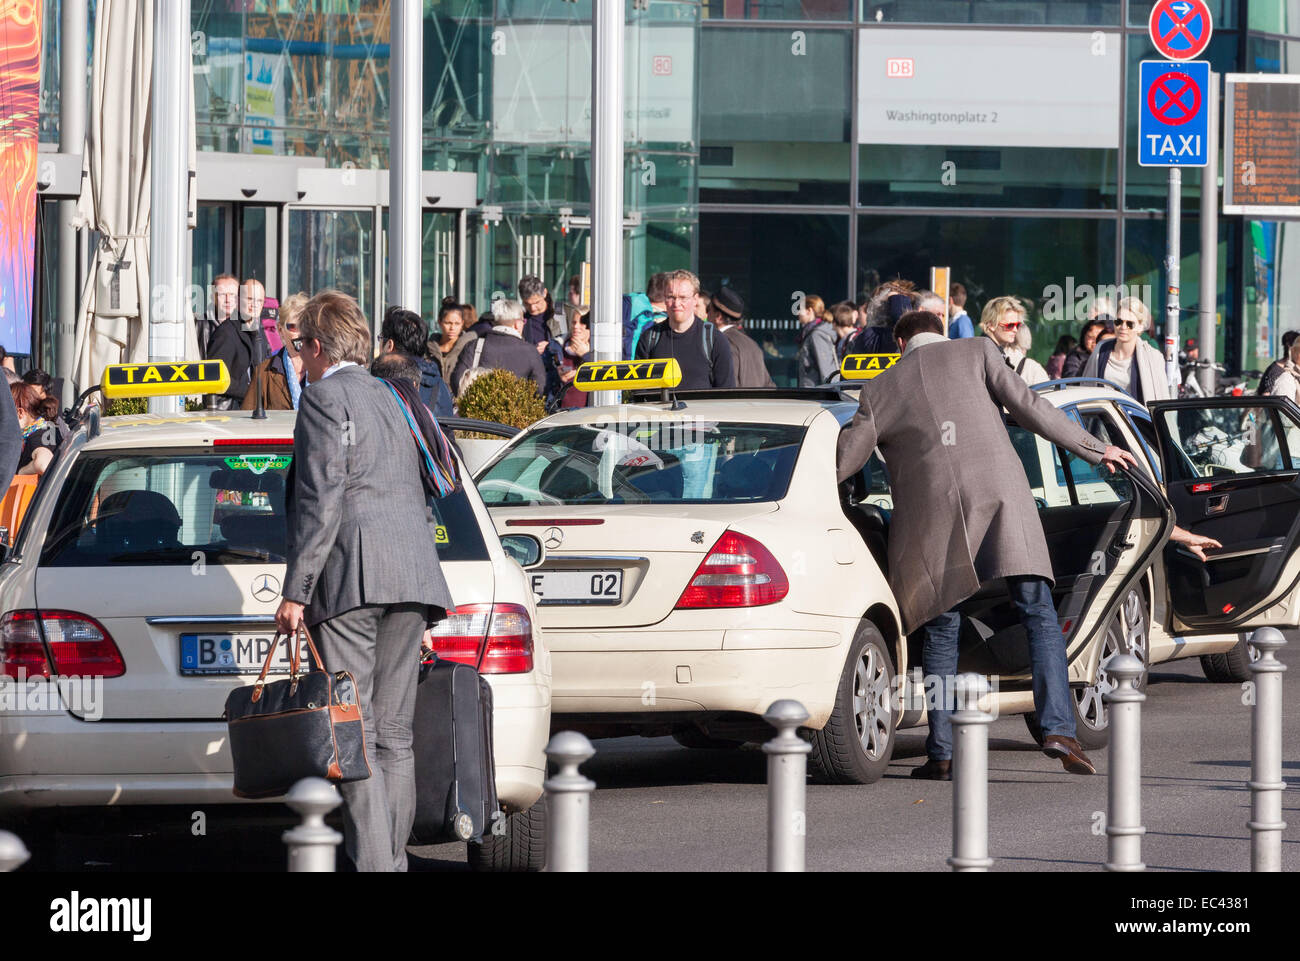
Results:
259 412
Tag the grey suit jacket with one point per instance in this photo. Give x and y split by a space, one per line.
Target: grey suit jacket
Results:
963 511
360 529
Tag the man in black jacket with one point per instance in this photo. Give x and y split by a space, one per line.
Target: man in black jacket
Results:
240 343
503 348
403 332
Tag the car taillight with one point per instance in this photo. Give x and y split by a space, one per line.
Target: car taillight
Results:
509 647
738 571
21 652
459 636
495 638
79 645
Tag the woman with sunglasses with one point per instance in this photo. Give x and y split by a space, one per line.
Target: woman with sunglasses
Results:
1002 319
280 388
1127 361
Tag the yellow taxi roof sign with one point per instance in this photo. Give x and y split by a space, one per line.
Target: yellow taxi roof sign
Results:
165 379
620 374
866 366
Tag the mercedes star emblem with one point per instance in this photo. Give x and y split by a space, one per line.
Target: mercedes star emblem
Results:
553 538
266 589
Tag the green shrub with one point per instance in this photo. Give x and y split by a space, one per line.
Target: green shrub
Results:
126 405
503 398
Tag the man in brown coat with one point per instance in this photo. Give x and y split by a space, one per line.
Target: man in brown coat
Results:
725 311
963 511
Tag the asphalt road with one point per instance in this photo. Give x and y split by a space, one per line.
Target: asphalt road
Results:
662 807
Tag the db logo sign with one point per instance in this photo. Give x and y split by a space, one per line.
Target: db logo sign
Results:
662 66
899 67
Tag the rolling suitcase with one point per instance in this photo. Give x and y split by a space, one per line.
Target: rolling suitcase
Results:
455 776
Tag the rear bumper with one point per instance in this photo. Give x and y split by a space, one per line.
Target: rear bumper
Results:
51 759
687 682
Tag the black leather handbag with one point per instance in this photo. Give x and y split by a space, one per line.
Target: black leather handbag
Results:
307 725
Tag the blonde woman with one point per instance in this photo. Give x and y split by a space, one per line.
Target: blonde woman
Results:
815 361
1127 361
280 378
1002 321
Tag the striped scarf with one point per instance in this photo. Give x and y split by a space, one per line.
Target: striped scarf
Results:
437 463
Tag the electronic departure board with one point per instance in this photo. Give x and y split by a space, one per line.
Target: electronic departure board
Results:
1261 176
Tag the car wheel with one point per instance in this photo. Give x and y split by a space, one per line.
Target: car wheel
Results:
857 742
690 736
1232 665
1129 633
520 847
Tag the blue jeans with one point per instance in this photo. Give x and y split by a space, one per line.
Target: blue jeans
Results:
1033 599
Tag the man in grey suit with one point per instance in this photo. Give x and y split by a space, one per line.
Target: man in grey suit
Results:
363 568
963 511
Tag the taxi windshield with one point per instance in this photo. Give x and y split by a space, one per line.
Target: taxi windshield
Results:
216 507
646 462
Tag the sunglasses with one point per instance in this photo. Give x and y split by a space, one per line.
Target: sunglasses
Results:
1126 323
1014 325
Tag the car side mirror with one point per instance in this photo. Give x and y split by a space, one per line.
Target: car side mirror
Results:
525 548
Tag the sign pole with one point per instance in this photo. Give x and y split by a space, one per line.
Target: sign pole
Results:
608 165
1209 299
1173 259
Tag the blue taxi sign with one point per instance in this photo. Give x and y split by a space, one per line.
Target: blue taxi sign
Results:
1173 113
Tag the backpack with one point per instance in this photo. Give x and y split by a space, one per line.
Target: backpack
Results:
637 316
656 332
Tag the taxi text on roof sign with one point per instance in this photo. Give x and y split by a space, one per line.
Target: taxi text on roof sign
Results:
617 374
866 366
164 380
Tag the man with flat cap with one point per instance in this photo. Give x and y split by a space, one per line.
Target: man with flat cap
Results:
725 313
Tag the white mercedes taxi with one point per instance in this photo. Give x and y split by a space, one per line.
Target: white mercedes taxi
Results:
142 588
701 562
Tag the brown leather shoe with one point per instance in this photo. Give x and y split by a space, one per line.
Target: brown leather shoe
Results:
933 770
1070 752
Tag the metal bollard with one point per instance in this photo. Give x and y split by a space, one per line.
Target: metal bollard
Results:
312 844
970 776
1124 828
13 853
1266 784
787 775
568 800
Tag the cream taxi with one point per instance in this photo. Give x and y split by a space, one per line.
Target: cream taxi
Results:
142 588
701 563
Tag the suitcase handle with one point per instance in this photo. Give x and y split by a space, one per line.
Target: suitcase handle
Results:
294 660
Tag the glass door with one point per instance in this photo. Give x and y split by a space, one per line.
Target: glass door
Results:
334 248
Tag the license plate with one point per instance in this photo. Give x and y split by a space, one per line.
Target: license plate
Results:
578 587
234 654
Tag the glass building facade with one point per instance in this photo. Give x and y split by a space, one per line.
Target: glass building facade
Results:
751 151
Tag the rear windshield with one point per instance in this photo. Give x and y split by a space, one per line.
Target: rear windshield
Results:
221 507
659 462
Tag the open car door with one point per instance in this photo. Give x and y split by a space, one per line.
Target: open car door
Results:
1232 472
1103 531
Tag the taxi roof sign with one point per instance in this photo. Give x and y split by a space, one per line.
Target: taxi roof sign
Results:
165 379
866 366
636 374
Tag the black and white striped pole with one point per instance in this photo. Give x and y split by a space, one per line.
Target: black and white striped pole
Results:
568 800
970 776
1124 828
1266 784
787 773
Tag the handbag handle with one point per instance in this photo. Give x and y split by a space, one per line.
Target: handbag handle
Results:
294 660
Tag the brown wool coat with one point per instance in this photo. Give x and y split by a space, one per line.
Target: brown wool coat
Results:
751 370
963 511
